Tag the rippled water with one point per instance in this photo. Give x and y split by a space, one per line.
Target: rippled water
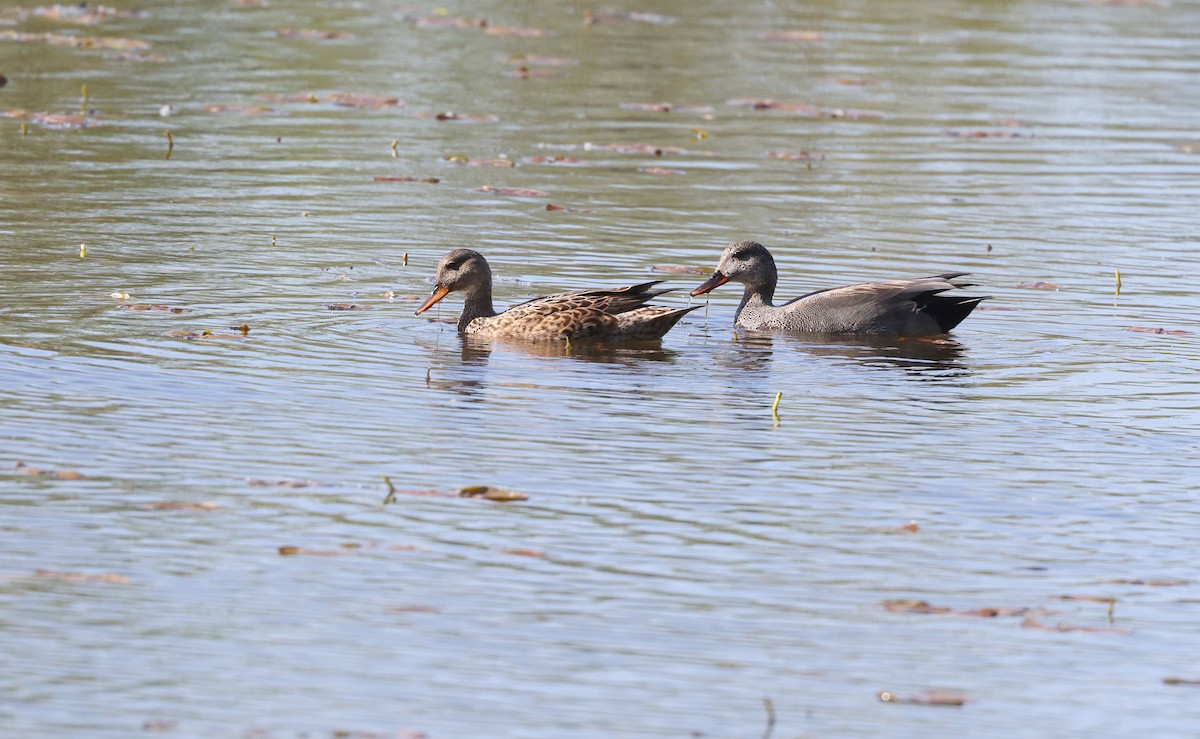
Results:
682 554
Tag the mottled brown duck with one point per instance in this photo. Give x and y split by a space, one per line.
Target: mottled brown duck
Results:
619 313
892 308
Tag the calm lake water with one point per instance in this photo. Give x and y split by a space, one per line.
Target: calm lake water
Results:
682 554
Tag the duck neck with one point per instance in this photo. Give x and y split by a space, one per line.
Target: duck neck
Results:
758 295
477 304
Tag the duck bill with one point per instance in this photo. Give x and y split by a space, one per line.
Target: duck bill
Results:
439 292
718 278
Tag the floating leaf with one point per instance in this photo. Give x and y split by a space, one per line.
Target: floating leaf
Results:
153 307
516 192
259 483
488 492
790 36
159 725
982 134
911 527
906 605
172 505
1165 583
291 551
1031 623
524 552
516 31
556 206
804 155
192 335
445 21
930 698
562 160
369 102
1181 681
1161 331
25 469
661 171
239 109
406 178
106 577
312 34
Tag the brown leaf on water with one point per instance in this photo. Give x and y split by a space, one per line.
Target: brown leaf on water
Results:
1032 623
25 469
77 42
911 527
259 483
304 97
107 578
312 34
516 31
451 115
930 698
159 725
680 269
367 102
516 192
661 171
612 17
488 492
291 551
413 609
790 36
57 121
174 505
153 307
982 134
180 333
852 81
463 160
556 206
348 306
239 109
793 155
1161 331
1163 583
1181 681
908 605
663 107
81 14
406 178
445 21
559 160
1038 285
524 552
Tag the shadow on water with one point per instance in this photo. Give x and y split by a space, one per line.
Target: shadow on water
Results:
928 359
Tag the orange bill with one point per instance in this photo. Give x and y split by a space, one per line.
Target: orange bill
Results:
716 280
439 292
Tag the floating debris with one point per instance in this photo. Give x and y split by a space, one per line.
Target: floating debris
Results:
26 469
487 492
1160 331
107 578
406 178
348 306
516 192
172 505
930 698
152 307
661 171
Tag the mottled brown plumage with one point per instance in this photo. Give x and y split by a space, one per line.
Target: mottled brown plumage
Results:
892 308
619 313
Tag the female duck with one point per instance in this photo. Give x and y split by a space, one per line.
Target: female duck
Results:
895 308
619 313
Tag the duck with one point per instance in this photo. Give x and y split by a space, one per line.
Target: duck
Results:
617 313
901 308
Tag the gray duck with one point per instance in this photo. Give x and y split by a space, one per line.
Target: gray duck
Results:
617 313
894 308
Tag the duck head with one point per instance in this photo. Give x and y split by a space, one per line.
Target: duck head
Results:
747 262
461 269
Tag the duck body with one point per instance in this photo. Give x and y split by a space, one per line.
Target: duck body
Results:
892 308
617 313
